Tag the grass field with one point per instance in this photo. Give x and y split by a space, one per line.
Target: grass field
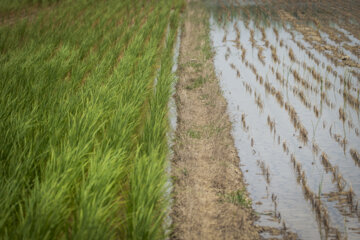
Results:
83 106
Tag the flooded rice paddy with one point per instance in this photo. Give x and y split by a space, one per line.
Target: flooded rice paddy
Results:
291 75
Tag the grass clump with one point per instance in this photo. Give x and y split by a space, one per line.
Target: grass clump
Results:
194 134
196 83
237 197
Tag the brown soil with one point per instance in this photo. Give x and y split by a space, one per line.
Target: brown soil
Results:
29 13
205 168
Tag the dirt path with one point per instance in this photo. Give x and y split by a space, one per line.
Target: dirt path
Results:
208 188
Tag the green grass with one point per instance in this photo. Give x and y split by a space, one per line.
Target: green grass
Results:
238 198
83 148
194 134
195 83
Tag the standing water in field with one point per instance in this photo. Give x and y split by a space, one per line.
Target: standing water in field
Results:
291 75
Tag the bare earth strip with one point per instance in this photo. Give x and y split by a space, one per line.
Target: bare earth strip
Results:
205 168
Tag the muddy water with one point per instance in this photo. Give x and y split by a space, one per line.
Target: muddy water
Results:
172 118
295 113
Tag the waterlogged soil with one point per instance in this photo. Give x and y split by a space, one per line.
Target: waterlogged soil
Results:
290 75
209 197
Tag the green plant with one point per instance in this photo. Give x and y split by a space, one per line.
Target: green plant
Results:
194 134
83 148
238 197
185 172
320 185
195 83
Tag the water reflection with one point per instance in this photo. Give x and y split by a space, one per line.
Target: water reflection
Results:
292 88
